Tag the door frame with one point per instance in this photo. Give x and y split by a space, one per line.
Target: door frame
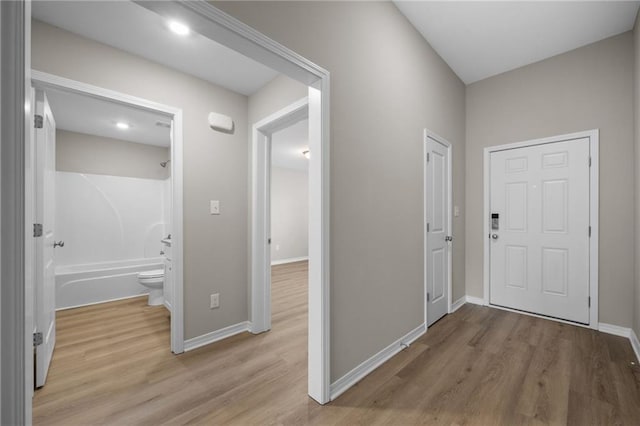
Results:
234 34
44 81
428 134
15 52
594 191
262 132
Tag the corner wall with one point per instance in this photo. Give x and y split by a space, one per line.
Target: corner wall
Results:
583 89
387 85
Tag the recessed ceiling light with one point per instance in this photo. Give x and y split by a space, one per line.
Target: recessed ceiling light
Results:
122 125
179 28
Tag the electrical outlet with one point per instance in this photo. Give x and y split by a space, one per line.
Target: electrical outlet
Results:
277 247
215 300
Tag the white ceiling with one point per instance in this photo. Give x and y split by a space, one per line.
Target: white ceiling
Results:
134 29
84 114
480 39
287 146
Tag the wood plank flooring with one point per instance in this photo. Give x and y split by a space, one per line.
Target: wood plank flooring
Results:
478 366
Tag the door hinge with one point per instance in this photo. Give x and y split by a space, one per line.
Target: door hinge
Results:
428 227
427 157
589 231
589 161
589 301
428 297
38 121
269 241
37 338
37 230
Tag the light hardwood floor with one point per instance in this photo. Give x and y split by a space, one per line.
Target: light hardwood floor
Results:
478 366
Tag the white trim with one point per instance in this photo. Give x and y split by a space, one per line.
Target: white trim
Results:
594 192
616 330
290 260
261 208
16 325
428 134
475 300
361 371
458 304
635 344
230 32
214 336
629 333
45 80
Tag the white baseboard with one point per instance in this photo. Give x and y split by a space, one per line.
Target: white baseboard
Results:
354 376
458 304
616 330
635 344
290 260
475 300
214 336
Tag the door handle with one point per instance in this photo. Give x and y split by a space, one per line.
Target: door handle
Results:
58 244
448 238
494 236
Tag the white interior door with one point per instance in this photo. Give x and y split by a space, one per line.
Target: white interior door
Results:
45 136
438 235
539 231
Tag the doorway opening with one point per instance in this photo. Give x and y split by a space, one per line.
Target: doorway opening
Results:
541 227
213 25
264 248
106 184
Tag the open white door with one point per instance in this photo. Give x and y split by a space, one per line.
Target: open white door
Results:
438 226
45 312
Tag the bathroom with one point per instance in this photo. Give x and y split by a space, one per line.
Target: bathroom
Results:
112 202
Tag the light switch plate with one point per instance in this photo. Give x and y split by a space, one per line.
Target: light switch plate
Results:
456 211
214 207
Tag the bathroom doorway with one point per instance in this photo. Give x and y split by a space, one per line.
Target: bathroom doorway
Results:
107 204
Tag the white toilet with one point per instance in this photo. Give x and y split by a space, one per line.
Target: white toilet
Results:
154 281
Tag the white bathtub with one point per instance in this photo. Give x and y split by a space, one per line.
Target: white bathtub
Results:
80 285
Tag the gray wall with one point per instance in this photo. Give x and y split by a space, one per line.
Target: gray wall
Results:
277 94
82 153
289 214
584 89
215 249
387 85
636 121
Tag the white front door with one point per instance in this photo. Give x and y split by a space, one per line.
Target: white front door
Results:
438 227
539 230
45 149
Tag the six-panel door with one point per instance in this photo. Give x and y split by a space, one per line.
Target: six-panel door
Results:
540 250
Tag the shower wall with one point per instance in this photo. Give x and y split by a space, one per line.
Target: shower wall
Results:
108 218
